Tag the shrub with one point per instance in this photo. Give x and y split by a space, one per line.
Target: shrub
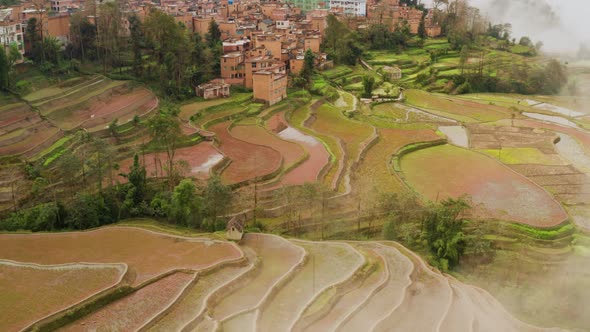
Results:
23 87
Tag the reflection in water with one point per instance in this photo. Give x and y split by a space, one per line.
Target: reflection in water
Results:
457 135
550 118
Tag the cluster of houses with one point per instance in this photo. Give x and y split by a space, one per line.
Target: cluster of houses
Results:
264 41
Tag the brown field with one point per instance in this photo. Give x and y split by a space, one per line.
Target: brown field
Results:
200 159
291 152
31 292
499 193
101 112
248 160
31 138
133 311
374 167
309 170
148 254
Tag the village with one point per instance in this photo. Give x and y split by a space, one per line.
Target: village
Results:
263 42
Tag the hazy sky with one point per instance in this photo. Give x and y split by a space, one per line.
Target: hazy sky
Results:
561 24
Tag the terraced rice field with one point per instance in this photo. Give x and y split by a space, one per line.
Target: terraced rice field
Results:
307 286
200 158
136 309
141 250
31 292
248 161
446 171
376 163
454 108
92 103
291 152
317 155
329 121
278 258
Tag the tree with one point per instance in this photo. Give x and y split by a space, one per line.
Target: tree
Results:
525 41
83 38
165 131
137 43
463 58
217 198
308 64
422 27
185 204
443 231
88 211
213 35
3 70
368 84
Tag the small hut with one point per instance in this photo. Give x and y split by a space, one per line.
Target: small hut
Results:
235 227
393 73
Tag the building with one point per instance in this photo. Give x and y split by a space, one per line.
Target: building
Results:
350 7
393 73
235 228
11 32
308 5
213 90
269 87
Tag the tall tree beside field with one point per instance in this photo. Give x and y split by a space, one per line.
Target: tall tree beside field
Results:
3 69
443 231
185 205
308 64
137 41
213 35
83 38
165 131
217 198
368 85
108 26
340 43
422 27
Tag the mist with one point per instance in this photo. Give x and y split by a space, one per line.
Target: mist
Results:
562 25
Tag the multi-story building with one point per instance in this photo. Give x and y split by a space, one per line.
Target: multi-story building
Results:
270 87
11 32
350 7
308 5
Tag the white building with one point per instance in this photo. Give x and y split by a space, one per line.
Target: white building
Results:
10 31
350 7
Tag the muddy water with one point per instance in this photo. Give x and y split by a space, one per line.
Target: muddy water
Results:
211 161
574 152
292 134
550 118
457 135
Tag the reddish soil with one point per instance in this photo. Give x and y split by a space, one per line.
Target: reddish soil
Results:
31 293
35 136
99 113
133 311
248 160
291 152
496 191
309 170
200 158
582 137
148 254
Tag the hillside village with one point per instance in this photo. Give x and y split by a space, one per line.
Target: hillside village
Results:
263 42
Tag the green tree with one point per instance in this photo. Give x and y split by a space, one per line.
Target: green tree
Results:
368 84
443 231
165 131
422 28
463 58
88 211
213 35
217 198
308 64
185 204
4 81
